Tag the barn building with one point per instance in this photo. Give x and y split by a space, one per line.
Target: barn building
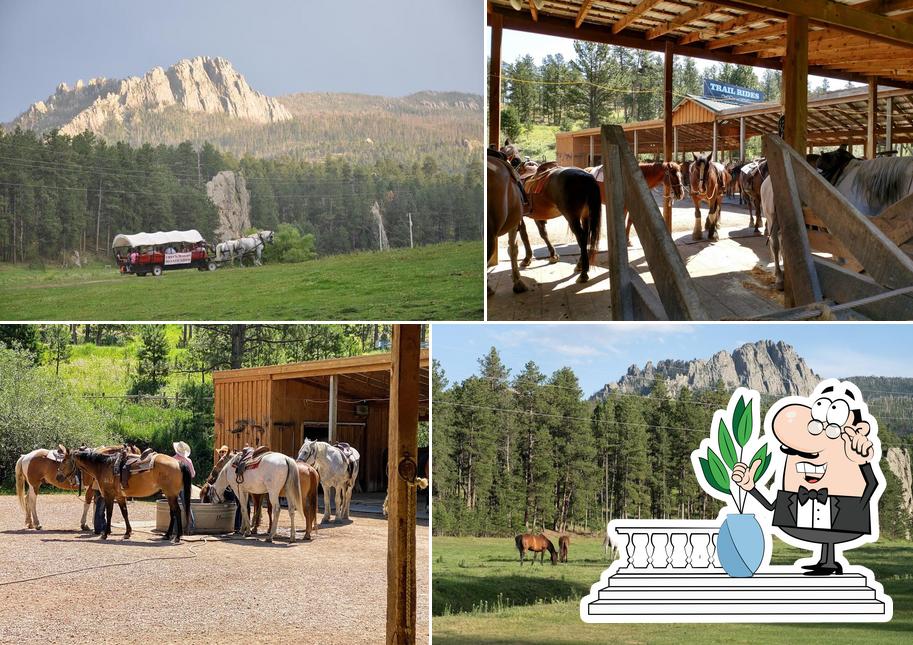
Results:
343 399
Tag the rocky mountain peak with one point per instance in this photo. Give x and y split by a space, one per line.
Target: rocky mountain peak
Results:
767 366
201 84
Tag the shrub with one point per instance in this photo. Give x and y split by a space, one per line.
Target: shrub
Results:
289 245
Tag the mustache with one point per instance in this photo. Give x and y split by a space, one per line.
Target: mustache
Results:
792 451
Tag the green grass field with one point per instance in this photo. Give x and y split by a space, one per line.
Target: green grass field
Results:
481 595
437 282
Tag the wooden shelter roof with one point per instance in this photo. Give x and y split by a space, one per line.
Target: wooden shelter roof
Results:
360 378
848 39
833 118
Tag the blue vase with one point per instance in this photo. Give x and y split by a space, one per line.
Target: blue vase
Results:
740 545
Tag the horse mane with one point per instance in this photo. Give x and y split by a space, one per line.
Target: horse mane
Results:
95 457
881 179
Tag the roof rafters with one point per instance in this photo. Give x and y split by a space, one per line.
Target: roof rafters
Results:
698 12
640 9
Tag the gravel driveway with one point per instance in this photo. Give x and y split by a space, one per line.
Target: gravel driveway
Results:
206 590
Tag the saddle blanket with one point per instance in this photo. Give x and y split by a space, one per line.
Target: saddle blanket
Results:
536 184
749 168
55 455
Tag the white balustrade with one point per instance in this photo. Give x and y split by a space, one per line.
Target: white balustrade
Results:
681 546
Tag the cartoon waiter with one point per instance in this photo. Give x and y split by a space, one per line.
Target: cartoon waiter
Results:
826 494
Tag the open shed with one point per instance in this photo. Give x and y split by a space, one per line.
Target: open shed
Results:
343 399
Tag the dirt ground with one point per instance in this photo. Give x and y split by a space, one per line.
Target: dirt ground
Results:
60 585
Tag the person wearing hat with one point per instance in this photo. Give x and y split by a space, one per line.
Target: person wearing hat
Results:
182 454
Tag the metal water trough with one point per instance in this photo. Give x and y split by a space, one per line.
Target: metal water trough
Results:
208 518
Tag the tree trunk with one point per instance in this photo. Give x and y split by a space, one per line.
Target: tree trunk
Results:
237 345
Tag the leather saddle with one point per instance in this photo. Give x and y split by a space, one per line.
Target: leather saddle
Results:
248 459
55 455
348 454
129 463
535 183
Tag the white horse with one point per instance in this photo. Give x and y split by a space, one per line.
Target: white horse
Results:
275 472
870 185
229 247
253 245
336 473
609 544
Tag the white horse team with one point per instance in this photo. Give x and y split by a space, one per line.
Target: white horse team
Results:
251 245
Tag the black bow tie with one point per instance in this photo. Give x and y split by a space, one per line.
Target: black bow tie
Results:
806 494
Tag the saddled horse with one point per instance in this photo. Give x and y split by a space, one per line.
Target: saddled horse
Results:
537 544
275 473
667 173
556 191
338 469
41 467
750 178
734 168
504 211
708 184
564 541
870 185
166 474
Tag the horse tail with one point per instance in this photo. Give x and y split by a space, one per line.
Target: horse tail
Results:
311 501
594 204
292 487
519 542
20 483
185 481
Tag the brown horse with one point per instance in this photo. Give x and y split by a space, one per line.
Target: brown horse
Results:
667 173
708 184
537 544
504 211
564 542
167 475
750 178
42 467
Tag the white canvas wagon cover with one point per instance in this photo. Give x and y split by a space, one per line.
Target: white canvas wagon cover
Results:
161 237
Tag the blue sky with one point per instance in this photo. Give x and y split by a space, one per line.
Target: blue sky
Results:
601 353
392 48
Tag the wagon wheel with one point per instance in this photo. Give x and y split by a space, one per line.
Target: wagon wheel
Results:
157 270
211 266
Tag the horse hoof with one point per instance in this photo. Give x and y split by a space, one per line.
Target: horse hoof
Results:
307 537
126 536
177 540
104 536
778 285
38 527
553 259
525 263
165 538
268 539
84 527
519 287
583 278
697 237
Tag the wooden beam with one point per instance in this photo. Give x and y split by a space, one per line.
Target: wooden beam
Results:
795 82
532 10
582 12
333 414
748 34
889 123
402 450
844 17
668 145
494 81
723 27
698 12
613 198
640 9
841 285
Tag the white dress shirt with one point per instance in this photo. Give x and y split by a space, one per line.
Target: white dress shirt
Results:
813 514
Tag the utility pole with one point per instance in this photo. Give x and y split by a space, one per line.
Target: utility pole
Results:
98 219
411 245
199 169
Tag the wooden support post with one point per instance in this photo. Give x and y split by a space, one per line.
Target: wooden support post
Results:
871 143
402 450
613 197
675 142
494 81
334 408
667 131
592 153
795 82
635 144
888 124
715 131
742 139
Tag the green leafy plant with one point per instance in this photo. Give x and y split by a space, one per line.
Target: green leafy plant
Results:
717 470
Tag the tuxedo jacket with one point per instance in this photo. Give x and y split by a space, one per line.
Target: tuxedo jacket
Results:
849 514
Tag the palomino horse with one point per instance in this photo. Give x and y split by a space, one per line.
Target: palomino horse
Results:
668 173
167 475
276 473
537 544
564 541
338 472
555 191
504 211
870 185
708 184
40 467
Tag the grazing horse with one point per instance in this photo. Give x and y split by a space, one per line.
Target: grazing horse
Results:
668 173
608 545
556 191
708 184
41 467
564 541
870 185
276 473
537 544
750 178
338 471
167 475
504 210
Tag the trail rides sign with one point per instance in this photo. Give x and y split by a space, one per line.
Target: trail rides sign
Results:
812 478
720 90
